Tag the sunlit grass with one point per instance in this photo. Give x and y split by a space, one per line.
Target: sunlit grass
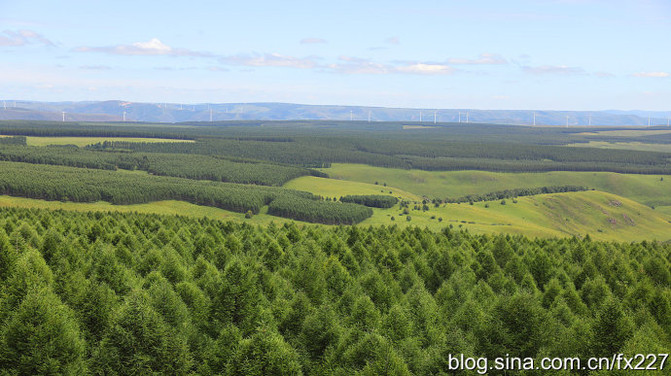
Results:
83 141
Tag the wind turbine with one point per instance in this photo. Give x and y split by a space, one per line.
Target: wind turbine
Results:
566 121
459 117
534 119
369 113
434 117
63 116
124 116
351 115
210 114
420 116
4 104
467 121
590 120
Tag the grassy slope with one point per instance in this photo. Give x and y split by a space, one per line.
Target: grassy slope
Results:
336 188
664 210
628 132
646 189
640 146
564 214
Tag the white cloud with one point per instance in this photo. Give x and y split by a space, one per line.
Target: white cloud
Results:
270 60
355 65
652 74
422 68
553 69
483 59
153 47
19 38
313 41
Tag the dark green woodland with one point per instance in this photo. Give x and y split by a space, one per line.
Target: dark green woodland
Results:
110 293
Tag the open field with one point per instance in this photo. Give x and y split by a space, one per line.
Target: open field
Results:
640 146
337 188
602 215
646 189
83 141
628 132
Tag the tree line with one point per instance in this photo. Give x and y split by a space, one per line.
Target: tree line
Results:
190 166
60 183
516 192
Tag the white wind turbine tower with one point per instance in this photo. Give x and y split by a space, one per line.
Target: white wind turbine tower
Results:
4 104
63 116
434 116
459 117
467 121
534 119
210 114
566 121
590 120
124 115
351 115
420 116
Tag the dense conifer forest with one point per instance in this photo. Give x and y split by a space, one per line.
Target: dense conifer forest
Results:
110 293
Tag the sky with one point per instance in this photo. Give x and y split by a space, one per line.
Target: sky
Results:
481 54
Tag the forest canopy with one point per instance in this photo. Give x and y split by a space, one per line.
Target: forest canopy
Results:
111 293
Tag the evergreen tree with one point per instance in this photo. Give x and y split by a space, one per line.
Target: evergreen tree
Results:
42 337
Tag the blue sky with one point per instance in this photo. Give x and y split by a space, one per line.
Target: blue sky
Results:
515 54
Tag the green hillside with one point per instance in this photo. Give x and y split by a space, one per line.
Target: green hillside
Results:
646 189
602 215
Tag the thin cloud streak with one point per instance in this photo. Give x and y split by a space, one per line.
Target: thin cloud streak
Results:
95 67
483 59
553 69
355 65
652 74
270 60
20 38
153 47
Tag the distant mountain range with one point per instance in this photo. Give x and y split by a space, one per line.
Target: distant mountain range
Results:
105 111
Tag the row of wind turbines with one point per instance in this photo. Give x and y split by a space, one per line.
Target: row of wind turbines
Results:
533 120
370 115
